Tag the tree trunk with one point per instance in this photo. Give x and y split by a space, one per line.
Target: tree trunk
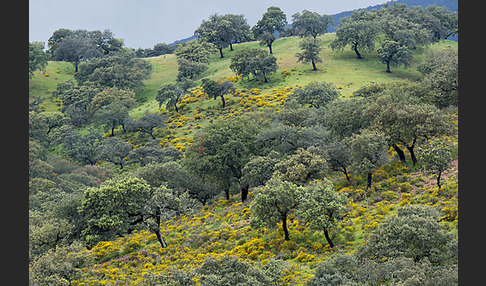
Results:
438 179
412 154
221 52
270 47
358 54
265 77
160 239
388 67
226 192
244 192
157 232
223 101
284 227
231 47
175 106
400 152
345 172
113 131
314 66
76 66
368 185
326 234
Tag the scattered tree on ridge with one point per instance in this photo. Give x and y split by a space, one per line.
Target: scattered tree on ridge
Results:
317 94
37 57
122 70
170 94
118 206
220 152
254 62
272 21
415 232
239 30
310 52
114 150
147 123
310 23
195 50
216 30
303 166
440 71
113 209
394 53
368 152
358 31
217 89
111 116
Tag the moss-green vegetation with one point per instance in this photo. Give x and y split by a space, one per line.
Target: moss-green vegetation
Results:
222 227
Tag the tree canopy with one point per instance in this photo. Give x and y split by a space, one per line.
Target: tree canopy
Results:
274 203
253 62
273 21
37 57
221 150
310 23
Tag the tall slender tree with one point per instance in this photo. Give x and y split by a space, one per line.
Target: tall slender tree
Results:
216 30
272 21
310 52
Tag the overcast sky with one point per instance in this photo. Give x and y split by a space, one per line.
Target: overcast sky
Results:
144 23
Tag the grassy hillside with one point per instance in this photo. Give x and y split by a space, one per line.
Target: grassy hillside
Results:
43 83
222 228
196 110
341 68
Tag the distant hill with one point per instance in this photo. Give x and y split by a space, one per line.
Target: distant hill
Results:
182 40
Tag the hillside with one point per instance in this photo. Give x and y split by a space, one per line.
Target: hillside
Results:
133 193
339 68
223 228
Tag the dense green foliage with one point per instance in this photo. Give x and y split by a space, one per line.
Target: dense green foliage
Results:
138 176
273 21
37 57
254 62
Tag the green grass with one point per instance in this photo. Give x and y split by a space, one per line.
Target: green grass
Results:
339 67
43 86
164 70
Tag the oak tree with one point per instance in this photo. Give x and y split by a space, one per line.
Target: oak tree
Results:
274 203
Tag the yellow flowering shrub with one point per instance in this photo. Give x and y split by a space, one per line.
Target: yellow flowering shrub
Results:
286 73
255 91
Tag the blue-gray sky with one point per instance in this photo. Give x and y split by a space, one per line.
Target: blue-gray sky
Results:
143 23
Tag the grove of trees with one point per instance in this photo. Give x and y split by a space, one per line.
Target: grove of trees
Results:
97 172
